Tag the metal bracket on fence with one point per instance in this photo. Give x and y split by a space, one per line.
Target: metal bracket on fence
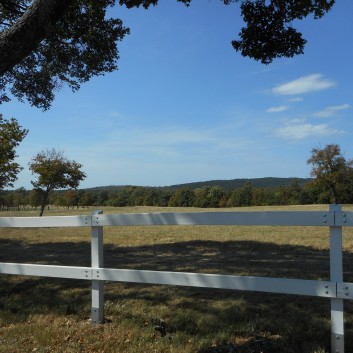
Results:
328 290
345 290
96 274
95 219
343 219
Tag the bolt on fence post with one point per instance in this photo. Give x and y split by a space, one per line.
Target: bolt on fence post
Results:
336 275
97 314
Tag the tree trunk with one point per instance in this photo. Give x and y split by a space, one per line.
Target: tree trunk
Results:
36 24
45 199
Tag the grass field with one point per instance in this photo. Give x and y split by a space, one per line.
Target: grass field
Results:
53 315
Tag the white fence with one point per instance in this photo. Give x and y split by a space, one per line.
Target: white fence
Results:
334 289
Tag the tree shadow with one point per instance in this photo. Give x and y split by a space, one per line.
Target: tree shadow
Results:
268 314
225 257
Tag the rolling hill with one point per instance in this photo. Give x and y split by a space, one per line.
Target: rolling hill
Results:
269 182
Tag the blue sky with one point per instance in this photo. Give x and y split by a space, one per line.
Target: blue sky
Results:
184 106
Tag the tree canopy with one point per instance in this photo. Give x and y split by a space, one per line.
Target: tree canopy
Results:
333 172
269 33
54 171
11 134
47 43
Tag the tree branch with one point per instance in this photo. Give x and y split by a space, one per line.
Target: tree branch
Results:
39 20
11 6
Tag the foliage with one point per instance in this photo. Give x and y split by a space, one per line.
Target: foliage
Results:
242 196
205 197
232 184
183 197
11 134
269 33
81 45
54 171
47 43
35 198
333 173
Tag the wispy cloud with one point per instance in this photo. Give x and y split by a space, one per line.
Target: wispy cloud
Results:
278 109
299 129
331 111
167 143
160 153
296 99
304 84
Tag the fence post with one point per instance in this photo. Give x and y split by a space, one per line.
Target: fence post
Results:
336 275
97 313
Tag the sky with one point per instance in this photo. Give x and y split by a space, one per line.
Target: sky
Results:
184 106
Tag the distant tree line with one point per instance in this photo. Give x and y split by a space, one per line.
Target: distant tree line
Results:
332 183
205 197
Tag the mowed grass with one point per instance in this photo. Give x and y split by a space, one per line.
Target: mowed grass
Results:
53 315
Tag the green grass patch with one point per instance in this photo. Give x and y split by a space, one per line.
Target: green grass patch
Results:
53 315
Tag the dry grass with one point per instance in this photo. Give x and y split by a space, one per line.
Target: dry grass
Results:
52 315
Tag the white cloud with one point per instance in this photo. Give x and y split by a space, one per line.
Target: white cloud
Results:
299 129
331 111
169 143
304 84
296 99
295 121
281 108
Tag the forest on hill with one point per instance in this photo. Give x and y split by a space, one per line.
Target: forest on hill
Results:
232 184
227 185
215 193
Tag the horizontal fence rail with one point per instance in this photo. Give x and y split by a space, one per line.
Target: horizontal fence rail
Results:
323 289
45 222
334 289
273 218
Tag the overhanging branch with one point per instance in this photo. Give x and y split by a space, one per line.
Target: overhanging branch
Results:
24 36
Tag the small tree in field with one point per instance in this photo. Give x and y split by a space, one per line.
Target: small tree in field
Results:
54 171
333 173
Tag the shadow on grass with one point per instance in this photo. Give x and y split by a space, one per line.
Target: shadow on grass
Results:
226 257
268 322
